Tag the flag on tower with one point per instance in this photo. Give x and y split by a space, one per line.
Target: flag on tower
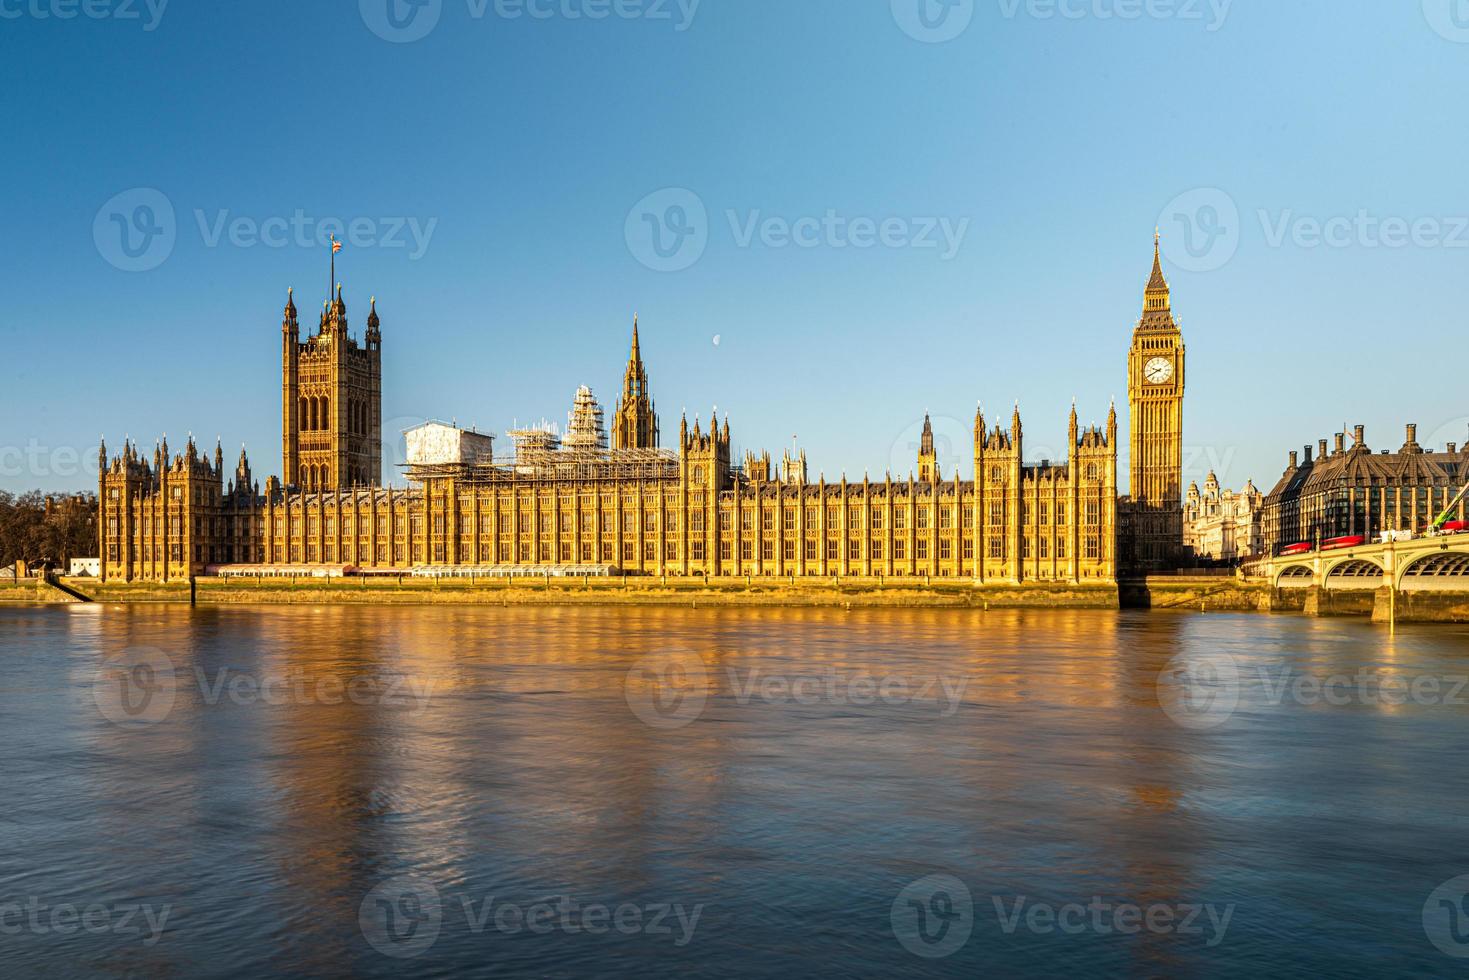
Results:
336 245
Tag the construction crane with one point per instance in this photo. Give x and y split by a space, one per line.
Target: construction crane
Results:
1443 518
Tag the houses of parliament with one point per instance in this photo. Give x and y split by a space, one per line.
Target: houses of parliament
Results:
584 502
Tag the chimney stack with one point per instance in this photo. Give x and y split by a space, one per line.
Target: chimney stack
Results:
1361 435
1341 443
1295 460
1308 455
1453 448
1321 449
1412 432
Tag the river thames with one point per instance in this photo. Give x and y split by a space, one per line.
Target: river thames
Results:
376 792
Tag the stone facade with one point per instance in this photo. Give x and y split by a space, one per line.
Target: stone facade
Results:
331 401
1221 525
634 508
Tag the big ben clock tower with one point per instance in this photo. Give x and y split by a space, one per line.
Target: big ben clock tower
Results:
1155 397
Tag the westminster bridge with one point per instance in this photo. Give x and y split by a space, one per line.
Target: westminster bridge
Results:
1422 578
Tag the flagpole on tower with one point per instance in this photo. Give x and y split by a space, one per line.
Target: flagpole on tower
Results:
332 282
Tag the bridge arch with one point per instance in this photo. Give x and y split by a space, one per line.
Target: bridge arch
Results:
1440 571
1295 577
1355 573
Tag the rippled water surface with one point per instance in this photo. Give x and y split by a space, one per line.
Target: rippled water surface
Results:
659 793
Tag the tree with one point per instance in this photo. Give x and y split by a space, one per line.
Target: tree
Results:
56 528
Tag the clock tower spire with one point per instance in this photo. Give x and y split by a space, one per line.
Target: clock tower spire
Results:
1155 384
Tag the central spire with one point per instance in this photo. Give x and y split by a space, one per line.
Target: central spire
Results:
635 423
1156 298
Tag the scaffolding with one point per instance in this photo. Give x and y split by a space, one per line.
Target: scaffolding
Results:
550 466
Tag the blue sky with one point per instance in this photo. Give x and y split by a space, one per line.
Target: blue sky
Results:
974 193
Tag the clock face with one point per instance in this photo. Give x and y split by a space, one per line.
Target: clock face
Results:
1158 371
